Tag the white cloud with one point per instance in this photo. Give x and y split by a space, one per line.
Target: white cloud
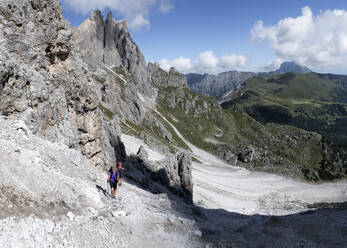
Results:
181 64
316 41
139 22
165 6
273 64
136 12
233 60
207 62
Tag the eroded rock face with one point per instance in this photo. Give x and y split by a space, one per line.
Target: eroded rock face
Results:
107 43
43 80
179 172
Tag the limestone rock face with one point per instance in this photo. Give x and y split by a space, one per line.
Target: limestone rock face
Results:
178 174
110 52
107 43
90 38
175 172
43 80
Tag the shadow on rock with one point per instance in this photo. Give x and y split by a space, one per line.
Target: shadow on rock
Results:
324 226
102 190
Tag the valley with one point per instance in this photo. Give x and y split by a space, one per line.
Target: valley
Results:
236 159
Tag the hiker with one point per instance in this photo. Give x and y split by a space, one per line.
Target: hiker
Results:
120 171
113 178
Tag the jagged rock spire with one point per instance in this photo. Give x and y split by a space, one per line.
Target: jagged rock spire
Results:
107 43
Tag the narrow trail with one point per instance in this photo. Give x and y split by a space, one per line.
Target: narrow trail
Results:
116 74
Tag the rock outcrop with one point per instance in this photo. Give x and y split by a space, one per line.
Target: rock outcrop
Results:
179 172
43 80
142 153
175 172
162 79
247 154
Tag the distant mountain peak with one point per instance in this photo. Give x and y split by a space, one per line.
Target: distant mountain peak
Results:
291 66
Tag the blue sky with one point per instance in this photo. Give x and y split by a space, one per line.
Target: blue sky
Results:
213 36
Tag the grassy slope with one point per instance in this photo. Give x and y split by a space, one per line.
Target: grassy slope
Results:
307 101
136 129
201 117
284 150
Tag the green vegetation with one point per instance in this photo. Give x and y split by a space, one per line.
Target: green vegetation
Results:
119 70
279 148
266 117
205 118
107 113
307 101
177 141
126 76
146 128
98 78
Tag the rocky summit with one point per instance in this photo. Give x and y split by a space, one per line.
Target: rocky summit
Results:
197 173
106 43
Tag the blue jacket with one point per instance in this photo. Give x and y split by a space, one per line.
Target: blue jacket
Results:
114 177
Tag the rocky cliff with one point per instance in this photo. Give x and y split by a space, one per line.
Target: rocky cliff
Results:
106 43
43 80
217 85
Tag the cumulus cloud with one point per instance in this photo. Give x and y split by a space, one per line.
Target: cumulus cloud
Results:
136 12
233 60
312 40
272 65
207 62
181 64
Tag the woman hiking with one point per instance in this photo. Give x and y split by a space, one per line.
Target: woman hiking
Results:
113 178
120 170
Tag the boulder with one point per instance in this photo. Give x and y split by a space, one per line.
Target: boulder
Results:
247 154
142 153
174 172
230 157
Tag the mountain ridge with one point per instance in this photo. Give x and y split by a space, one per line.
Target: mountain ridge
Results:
225 83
